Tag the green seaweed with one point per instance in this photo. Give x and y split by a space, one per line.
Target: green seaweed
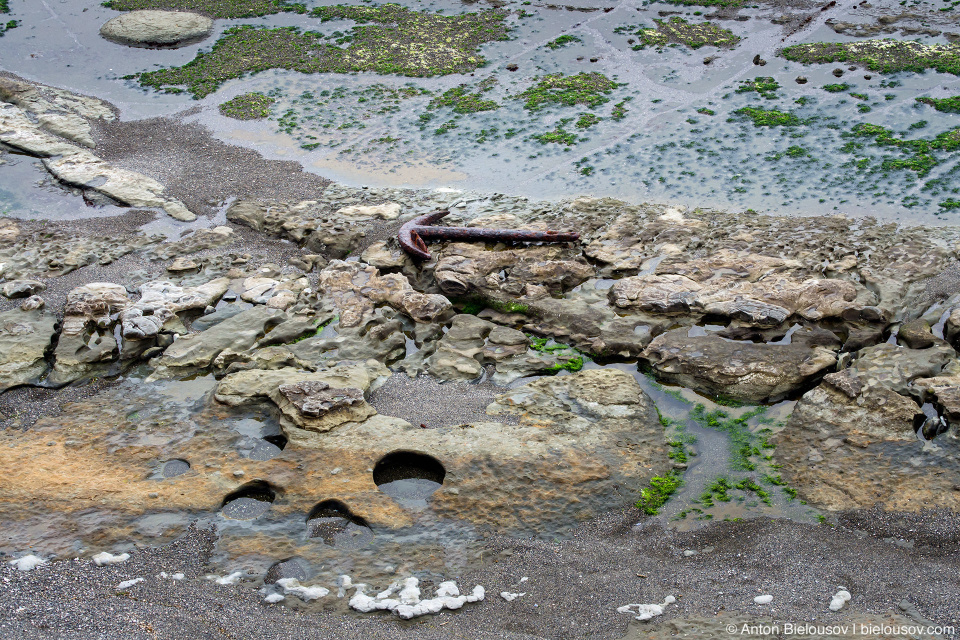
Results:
587 120
659 491
744 443
946 105
399 41
676 30
769 117
588 89
563 41
765 86
213 8
837 88
247 106
462 101
883 56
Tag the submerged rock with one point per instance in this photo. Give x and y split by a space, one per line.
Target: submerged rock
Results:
148 28
752 373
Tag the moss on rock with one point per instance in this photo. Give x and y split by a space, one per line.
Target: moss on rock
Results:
883 56
399 41
248 106
679 31
213 8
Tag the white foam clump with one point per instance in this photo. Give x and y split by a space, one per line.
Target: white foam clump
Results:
175 576
293 586
273 598
764 599
839 599
28 563
233 578
510 597
344 582
407 603
126 584
647 611
105 558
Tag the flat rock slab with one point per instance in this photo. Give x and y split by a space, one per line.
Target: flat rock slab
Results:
744 371
157 28
843 452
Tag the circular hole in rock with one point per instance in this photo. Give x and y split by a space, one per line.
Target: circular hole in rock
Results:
335 524
174 468
408 477
250 501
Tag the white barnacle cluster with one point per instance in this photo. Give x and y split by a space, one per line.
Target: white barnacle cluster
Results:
403 598
839 599
645 612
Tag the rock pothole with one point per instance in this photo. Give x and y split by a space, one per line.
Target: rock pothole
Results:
249 502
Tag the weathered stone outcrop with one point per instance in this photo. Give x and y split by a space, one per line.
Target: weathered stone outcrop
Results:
25 337
148 28
160 301
356 289
87 336
69 163
523 273
238 333
745 371
856 448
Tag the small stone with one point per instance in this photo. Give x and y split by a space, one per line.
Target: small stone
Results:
22 288
838 72
31 303
153 495
238 473
183 264
512 67
801 80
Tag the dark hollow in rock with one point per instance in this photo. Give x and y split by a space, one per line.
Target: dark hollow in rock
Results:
406 465
250 501
330 518
175 468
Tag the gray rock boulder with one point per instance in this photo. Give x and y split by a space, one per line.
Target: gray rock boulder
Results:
150 28
745 371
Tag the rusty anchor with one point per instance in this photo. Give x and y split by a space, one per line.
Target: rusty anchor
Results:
413 234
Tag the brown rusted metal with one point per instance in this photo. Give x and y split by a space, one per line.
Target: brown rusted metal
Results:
413 234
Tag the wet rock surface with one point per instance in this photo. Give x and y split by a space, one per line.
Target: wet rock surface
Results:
245 373
157 28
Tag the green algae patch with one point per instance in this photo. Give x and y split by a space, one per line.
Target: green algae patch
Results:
919 152
248 106
399 41
589 89
766 87
837 88
883 56
587 120
659 491
393 39
4 6
462 100
769 117
562 41
213 8
705 3
679 31
946 105
558 136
